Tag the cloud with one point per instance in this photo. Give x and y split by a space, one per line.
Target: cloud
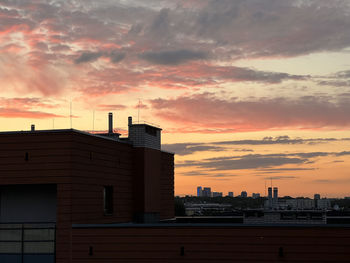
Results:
262 163
264 171
281 177
111 107
343 153
205 174
246 162
26 103
218 146
27 108
174 57
27 114
253 115
116 56
189 148
86 57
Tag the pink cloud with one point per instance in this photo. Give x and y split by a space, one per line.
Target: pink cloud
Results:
205 112
111 107
19 113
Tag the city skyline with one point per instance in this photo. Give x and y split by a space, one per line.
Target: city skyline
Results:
201 193
245 91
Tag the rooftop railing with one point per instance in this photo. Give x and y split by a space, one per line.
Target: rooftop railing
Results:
27 243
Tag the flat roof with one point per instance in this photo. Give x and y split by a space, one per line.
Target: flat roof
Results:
101 135
208 225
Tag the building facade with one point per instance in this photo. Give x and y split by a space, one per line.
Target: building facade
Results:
66 177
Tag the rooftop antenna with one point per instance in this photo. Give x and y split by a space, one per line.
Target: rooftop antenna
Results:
71 125
138 111
53 123
93 120
265 187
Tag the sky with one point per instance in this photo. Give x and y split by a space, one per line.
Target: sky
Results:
247 92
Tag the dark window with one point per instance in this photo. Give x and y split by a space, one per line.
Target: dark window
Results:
151 130
26 156
108 200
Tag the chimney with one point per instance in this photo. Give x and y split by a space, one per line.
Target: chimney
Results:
32 127
129 125
110 123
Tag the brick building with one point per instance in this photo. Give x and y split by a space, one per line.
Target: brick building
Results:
62 177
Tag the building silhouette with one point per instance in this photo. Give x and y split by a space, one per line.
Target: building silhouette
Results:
199 191
206 192
67 196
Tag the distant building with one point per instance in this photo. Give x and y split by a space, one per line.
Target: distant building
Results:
300 204
244 194
275 198
255 195
206 192
323 204
316 198
217 194
269 200
230 194
199 191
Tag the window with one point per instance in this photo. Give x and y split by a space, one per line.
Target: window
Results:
108 200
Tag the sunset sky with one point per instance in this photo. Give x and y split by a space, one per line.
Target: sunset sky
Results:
245 90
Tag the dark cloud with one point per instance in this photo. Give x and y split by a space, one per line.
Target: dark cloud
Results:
244 162
265 163
189 148
85 57
281 177
88 57
335 83
265 171
343 153
174 57
246 74
205 174
116 56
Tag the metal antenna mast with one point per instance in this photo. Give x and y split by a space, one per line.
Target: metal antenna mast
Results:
93 120
138 111
71 124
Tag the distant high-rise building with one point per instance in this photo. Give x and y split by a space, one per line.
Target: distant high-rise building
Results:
244 194
275 197
316 198
255 195
270 197
230 194
199 191
217 194
206 192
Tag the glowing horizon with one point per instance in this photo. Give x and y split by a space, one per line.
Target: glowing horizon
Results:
245 91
